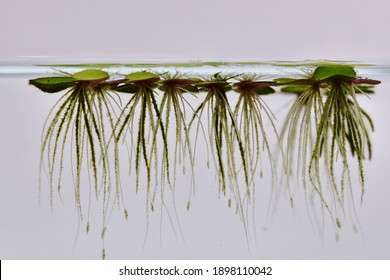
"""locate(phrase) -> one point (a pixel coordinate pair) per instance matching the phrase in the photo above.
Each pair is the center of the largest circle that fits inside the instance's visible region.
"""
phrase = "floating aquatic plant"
(300, 125)
(250, 114)
(84, 116)
(341, 122)
(328, 119)
(224, 136)
(143, 108)
(173, 103)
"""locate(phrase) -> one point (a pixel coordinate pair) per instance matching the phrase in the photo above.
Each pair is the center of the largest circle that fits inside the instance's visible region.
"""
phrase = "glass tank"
(197, 159)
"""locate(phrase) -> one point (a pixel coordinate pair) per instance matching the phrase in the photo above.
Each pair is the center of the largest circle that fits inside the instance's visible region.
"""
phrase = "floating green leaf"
(143, 76)
(364, 89)
(264, 90)
(53, 84)
(298, 89)
(91, 75)
(323, 73)
(126, 88)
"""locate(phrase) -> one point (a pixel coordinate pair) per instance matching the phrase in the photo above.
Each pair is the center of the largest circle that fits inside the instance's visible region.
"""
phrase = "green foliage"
(53, 84)
(323, 73)
(90, 75)
(142, 77)
(126, 88)
(298, 89)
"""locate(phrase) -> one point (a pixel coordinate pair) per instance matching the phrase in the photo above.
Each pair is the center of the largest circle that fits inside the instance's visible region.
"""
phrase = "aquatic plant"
(143, 108)
(86, 114)
(173, 103)
(224, 136)
(300, 127)
(251, 114)
(325, 119)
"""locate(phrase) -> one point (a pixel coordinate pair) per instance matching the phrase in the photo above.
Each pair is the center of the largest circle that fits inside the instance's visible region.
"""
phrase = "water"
(210, 229)
(35, 67)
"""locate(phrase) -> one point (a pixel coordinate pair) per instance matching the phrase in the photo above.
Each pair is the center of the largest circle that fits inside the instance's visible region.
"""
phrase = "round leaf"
(142, 76)
(91, 75)
(333, 71)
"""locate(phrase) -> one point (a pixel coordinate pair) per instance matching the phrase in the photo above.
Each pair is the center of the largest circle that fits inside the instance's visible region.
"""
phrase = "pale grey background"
(216, 29)
(71, 31)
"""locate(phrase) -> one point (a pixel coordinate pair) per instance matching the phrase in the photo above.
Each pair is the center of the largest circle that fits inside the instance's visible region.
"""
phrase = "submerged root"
(142, 107)
(250, 113)
(298, 133)
(224, 134)
(143, 118)
(299, 129)
(173, 104)
(84, 118)
(341, 125)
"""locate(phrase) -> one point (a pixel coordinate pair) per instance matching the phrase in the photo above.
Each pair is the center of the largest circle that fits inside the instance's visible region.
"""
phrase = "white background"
(125, 31)
(216, 29)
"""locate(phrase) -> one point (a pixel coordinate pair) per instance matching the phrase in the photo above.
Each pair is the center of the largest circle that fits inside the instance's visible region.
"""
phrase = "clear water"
(269, 68)
(210, 229)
